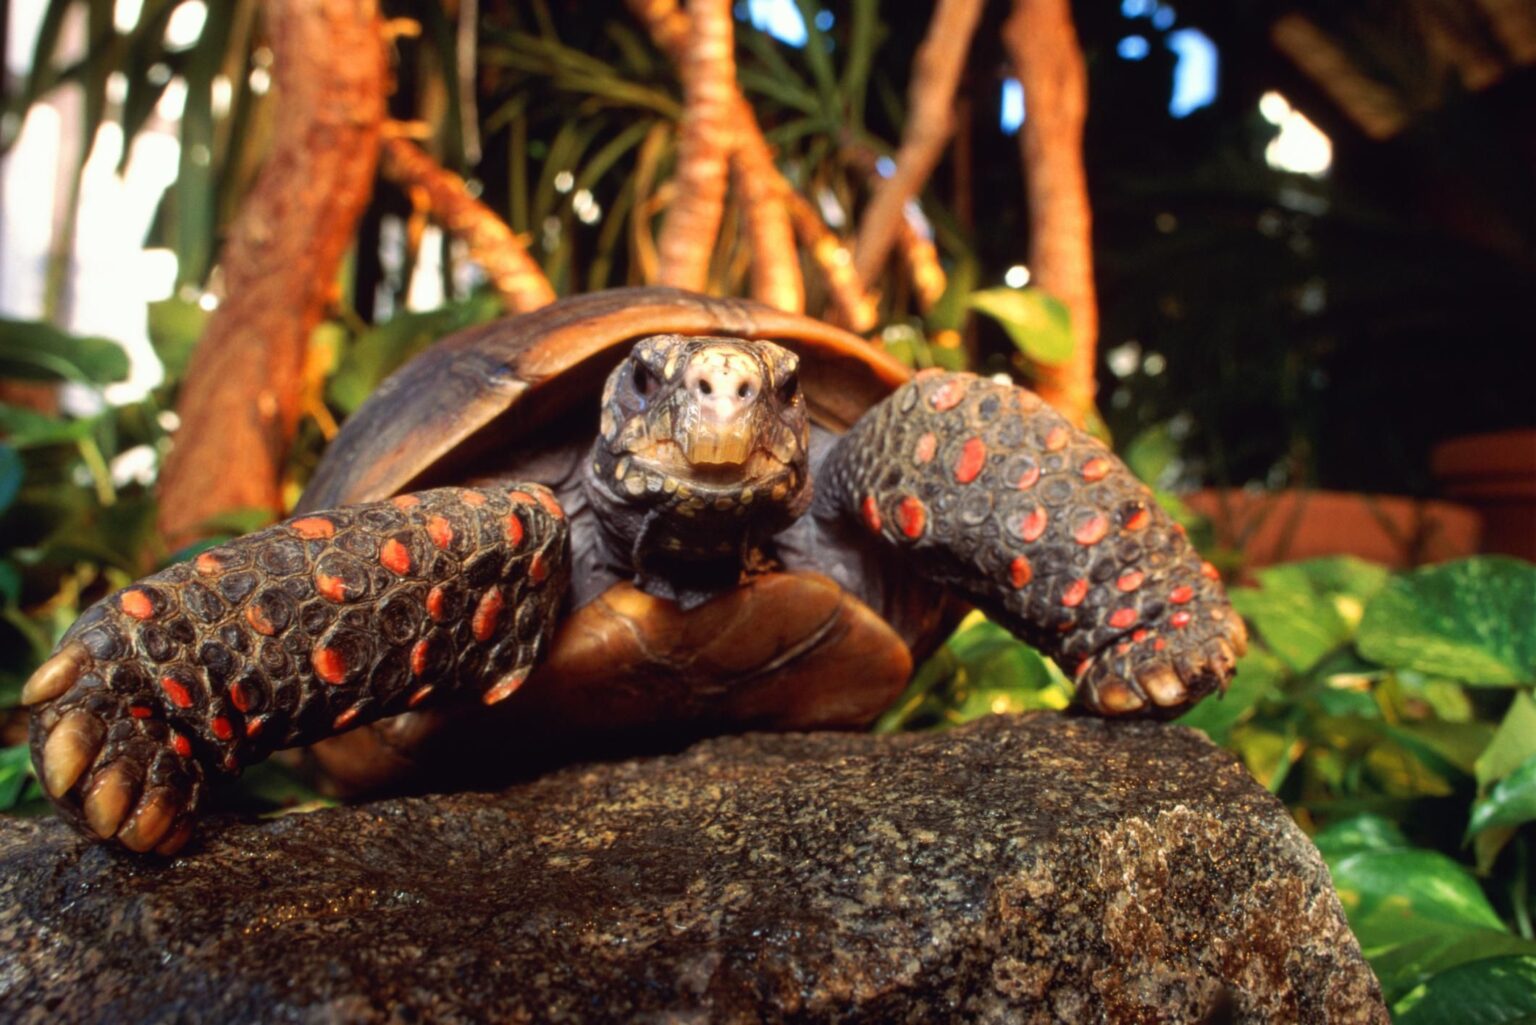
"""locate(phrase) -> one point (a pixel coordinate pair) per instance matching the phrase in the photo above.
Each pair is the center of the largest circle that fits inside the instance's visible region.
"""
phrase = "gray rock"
(1016, 870)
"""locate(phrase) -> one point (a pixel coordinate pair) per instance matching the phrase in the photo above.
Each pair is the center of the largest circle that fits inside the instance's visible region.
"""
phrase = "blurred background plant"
(1308, 272)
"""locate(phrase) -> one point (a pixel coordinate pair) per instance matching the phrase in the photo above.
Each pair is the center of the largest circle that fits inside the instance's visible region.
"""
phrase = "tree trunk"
(709, 85)
(1043, 46)
(516, 276)
(240, 401)
(930, 122)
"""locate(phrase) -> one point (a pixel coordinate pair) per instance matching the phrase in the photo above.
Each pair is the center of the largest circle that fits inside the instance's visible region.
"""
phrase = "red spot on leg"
(473, 498)
(329, 665)
(222, 728)
(1181, 595)
(486, 614)
(1159, 644)
(550, 504)
(1092, 530)
(948, 395)
(1056, 439)
(254, 726)
(1073, 596)
(238, 697)
(1033, 524)
(1028, 479)
(927, 445)
(259, 621)
(1020, 572)
(514, 528)
(440, 531)
(418, 696)
(140, 711)
(405, 501)
(1139, 636)
(1123, 618)
(419, 652)
(973, 456)
(436, 599)
(395, 557)
(1210, 572)
(181, 745)
(504, 688)
(1128, 582)
(331, 588)
(871, 513)
(911, 517)
(1095, 469)
(136, 603)
(208, 564)
(1179, 619)
(313, 528)
(1138, 519)
(538, 569)
(176, 691)
(344, 720)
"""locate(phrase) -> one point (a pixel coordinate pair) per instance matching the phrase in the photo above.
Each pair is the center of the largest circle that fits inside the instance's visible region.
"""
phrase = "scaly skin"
(999, 498)
(285, 637)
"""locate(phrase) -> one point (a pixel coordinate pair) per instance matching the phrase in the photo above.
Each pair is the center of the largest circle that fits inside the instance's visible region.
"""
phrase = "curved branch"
(709, 85)
(852, 306)
(492, 244)
(1042, 42)
(239, 404)
(775, 260)
(930, 122)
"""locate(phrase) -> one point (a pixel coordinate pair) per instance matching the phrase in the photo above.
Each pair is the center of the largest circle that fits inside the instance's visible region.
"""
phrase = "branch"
(913, 246)
(1042, 43)
(239, 404)
(491, 243)
(709, 86)
(775, 260)
(930, 103)
(852, 306)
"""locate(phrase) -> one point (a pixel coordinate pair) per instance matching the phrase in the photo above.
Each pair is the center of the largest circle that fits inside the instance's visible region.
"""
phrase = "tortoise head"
(702, 448)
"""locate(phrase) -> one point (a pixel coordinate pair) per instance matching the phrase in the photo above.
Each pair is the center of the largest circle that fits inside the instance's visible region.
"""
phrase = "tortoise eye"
(645, 381)
(788, 387)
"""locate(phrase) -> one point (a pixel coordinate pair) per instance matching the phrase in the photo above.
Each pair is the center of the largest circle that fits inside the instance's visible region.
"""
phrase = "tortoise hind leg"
(996, 496)
(286, 636)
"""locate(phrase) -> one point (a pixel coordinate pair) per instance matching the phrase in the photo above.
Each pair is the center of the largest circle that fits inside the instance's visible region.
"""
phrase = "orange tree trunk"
(709, 85)
(1042, 43)
(239, 404)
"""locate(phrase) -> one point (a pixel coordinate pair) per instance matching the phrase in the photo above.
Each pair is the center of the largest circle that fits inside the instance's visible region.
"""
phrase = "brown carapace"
(742, 518)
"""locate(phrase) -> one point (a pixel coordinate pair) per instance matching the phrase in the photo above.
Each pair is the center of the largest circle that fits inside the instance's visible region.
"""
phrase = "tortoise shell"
(518, 399)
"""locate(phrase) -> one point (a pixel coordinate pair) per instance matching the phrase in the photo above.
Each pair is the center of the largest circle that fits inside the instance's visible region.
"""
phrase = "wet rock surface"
(1016, 870)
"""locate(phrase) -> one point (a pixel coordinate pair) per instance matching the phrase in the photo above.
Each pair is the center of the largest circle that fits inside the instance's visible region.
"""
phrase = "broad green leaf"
(1151, 454)
(1258, 674)
(1454, 745)
(10, 582)
(1511, 802)
(1407, 965)
(1512, 744)
(1348, 582)
(1496, 991)
(34, 351)
(1473, 620)
(1360, 833)
(377, 353)
(25, 428)
(1392, 896)
(1039, 324)
(15, 770)
(1295, 623)
(175, 325)
(11, 473)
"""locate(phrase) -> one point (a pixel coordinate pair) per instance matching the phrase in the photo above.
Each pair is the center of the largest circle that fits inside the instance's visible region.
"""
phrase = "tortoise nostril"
(744, 391)
(704, 387)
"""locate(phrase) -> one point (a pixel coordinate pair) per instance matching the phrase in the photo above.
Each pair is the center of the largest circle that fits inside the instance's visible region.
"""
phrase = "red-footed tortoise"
(602, 515)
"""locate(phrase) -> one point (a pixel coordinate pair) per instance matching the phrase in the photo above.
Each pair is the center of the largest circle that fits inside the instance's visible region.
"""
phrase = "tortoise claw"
(71, 747)
(55, 676)
(151, 820)
(108, 799)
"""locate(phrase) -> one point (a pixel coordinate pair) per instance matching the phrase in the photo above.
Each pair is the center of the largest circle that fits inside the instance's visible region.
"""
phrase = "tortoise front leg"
(285, 637)
(998, 497)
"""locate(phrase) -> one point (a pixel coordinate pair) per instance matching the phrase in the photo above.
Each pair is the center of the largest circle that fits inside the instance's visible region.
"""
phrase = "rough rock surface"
(1017, 870)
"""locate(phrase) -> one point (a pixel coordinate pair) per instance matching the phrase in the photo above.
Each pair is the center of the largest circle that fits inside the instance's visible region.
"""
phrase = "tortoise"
(635, 510)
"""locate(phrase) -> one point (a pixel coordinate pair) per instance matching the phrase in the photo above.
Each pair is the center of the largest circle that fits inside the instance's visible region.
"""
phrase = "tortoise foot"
(1149, 674)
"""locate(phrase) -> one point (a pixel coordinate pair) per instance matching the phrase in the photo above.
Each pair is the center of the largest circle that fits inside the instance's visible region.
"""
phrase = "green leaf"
(175, 325)
(34, 351)
(1295, 623)
(377, 353)
(11, 473)
(1496, 991)
(1392, 896)
(1349, 583)
(1469, 620)
(1360, 833)
(1039, 324)
(15, 770)
(24, 428)
(1512, 744)
(1411, 964)
(1258, 674)
(10, 583)
(1151, 454)
(1511, 802)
